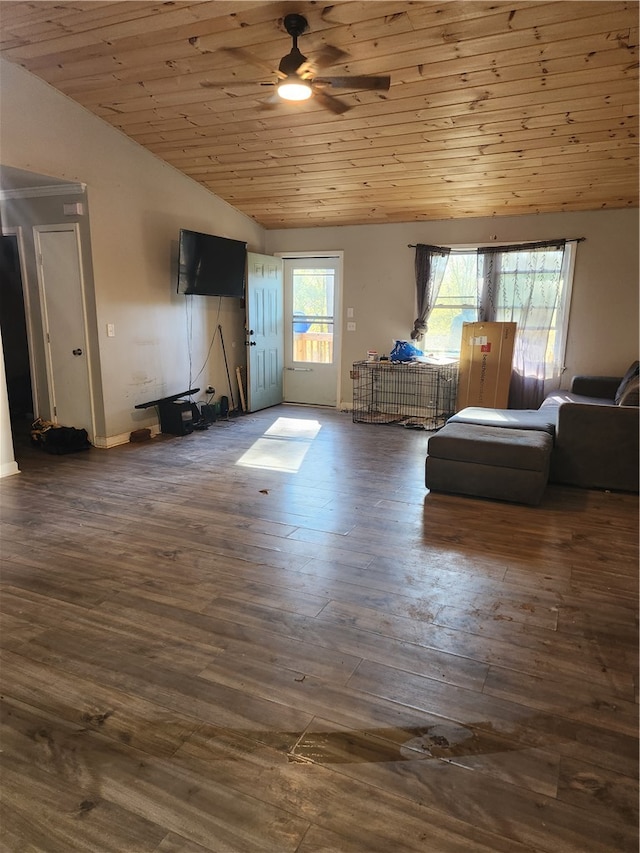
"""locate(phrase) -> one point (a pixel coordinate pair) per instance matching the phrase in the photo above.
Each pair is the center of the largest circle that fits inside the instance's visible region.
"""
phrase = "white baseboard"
(9, 468)
(109, 441)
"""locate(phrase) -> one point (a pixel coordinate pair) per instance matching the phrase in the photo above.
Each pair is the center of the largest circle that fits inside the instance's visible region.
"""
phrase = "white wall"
(137, 205)
(379, 280)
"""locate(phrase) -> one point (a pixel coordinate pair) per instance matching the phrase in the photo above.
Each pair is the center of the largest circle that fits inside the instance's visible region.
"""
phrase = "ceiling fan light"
(294, 89)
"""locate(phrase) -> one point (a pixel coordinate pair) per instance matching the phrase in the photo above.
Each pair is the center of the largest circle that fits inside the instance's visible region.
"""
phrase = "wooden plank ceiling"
(494, 107)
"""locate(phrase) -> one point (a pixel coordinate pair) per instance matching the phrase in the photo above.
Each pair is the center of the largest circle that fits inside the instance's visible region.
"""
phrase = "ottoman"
(489, 462)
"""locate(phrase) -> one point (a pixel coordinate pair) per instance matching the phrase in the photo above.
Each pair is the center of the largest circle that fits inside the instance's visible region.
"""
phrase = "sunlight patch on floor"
(283, 446)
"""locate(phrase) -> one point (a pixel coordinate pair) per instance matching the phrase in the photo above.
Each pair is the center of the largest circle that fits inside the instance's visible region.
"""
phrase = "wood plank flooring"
(269, 637)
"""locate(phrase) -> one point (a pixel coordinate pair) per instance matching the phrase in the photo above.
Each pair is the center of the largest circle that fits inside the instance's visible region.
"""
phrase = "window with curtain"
(456, 303)
(528, 284)
(431, 263)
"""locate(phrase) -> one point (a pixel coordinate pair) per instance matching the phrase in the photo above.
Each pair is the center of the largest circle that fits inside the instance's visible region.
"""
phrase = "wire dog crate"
(415, 394)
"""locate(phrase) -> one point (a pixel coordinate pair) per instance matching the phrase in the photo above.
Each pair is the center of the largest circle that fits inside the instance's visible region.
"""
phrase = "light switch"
(349, 312)
(111, 330)
(351, 327)
(74, 209)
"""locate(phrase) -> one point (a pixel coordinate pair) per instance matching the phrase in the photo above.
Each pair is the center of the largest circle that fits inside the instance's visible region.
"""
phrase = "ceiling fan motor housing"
(290, 63)
(295, 25)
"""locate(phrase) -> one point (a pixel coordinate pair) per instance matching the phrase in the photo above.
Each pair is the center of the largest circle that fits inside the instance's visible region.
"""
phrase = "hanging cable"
(213, 337)
(189, 331)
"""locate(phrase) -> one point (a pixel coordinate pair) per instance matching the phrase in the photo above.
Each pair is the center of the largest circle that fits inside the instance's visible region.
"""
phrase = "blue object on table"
(404, 351)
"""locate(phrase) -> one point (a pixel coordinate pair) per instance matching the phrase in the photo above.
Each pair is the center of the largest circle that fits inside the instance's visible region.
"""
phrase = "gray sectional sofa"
(594, 431)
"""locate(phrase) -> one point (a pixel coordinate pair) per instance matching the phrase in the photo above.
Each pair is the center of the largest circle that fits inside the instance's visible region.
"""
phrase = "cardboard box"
(486, 356)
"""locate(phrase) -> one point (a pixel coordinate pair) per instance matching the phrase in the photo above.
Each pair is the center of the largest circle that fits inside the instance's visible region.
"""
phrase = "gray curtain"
(522, 285)
(431, 262)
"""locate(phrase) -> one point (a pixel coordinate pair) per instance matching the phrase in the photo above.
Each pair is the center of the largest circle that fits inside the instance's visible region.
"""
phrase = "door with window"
(311, 334)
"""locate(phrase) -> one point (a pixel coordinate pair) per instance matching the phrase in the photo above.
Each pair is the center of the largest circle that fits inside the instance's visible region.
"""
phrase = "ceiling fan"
(296, 80)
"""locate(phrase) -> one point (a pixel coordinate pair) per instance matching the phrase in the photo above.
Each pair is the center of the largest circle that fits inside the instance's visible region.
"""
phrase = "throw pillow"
(632, 373)
(631, 394)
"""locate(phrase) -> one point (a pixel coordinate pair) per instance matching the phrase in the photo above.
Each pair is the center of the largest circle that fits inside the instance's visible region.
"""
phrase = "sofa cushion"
(557, 398)
(630, 375)
(603, 387)
(535, 419)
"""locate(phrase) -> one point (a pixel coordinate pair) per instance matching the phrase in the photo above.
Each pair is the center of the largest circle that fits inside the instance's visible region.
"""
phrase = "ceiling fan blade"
(271, 102)
(328, 55)
(221, 84)
(334, 105)
(354, 82)
(246, 56)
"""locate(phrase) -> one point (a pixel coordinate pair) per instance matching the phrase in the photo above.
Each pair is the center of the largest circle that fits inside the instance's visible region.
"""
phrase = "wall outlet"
(351, 327)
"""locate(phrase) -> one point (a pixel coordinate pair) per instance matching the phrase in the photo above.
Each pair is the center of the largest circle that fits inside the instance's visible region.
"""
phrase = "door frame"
(16, 231)
(338, 257)
(75, 228)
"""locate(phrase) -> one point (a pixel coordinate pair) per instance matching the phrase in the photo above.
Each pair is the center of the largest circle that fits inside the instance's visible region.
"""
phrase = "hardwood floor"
(269, 637)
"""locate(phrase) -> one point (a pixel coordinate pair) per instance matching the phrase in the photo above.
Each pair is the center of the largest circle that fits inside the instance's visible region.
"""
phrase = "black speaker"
(224, 407)
(176, 417)
(208, 412)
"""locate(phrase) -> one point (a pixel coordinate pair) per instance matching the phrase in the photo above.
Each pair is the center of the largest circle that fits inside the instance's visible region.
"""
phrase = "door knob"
(77, 351)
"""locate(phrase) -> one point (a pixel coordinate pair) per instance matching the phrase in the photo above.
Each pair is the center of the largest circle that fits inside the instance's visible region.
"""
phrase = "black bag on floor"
(59, 440)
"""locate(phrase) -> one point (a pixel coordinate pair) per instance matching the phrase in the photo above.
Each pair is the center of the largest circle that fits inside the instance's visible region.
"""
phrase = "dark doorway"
(13, 323)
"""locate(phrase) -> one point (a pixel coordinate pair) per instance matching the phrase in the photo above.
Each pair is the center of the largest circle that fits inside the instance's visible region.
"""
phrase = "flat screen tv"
(210, 265)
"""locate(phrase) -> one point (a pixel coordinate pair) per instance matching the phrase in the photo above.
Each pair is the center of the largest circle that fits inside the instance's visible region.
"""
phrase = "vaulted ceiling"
(494, 107)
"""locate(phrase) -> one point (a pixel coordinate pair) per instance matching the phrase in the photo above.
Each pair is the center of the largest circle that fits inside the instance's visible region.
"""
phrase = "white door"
(64, 320)
(265, 340)
(311, 342)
